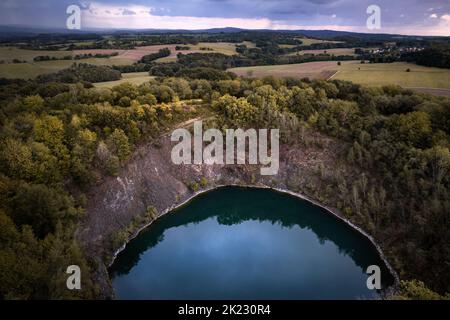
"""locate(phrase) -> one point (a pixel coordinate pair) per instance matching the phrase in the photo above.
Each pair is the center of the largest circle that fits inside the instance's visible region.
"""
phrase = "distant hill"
(14, 31)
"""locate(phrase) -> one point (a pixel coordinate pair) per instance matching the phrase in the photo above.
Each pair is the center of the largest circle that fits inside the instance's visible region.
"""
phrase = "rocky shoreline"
(388, 291)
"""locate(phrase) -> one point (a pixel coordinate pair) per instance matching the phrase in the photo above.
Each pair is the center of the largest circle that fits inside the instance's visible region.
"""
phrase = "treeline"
(435, 56)
(210, 60)
(211, 63)
(180, 48)
(51, 58)
(81, 72)
(189, 65)
(136, 67)
(76, 57)
(165, 52)
(46, 41)
(209, 66)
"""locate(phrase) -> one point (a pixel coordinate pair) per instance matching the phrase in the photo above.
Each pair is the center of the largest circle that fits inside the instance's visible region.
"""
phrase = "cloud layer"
(418, 17)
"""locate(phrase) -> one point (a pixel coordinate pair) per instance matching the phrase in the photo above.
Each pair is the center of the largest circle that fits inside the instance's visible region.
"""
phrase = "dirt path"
(434, 91)
(333, 75)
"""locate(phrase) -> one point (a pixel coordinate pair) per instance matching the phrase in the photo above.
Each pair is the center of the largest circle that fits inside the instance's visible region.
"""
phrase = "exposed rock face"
(151, 179)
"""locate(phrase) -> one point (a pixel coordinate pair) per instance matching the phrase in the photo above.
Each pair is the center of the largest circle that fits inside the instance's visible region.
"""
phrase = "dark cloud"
(399, 13)
(127, 12)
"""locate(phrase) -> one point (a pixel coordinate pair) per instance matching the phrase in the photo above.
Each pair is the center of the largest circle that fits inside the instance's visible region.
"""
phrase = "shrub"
(203, 182)
(193, 186)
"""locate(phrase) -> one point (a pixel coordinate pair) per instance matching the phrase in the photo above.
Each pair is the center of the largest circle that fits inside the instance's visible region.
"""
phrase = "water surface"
(247, 243)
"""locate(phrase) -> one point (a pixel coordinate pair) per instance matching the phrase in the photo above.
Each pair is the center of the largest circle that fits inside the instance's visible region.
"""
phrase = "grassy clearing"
(7, 54)
(395, 73)
(312, 70)
(113, 61)
(287, 46)
(219, 47)
(19, 70)
(135, 78)
(309, 41)
(249, 44)
(166, 59)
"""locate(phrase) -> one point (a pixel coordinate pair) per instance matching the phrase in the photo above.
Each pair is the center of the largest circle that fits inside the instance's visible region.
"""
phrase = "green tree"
(237, 110)
(439, 162)
(125, 89)
(41, 207)
(180, 86)
(118, 144)
(417, 290)
(413, 128)
(46, 167)
(16, 159)
(33, 103)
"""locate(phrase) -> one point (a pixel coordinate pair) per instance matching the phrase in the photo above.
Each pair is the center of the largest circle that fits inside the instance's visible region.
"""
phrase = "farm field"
(7, 54)
(137, 53)
(31, 70)
(423, 79)
(336, 52)
(312, 70)
(135, 78)
(227, 48)
(379, 74)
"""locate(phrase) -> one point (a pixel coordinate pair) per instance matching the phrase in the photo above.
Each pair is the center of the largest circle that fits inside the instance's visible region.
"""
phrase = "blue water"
(247, 243)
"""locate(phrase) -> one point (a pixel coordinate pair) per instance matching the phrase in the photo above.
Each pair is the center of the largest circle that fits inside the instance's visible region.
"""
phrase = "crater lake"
(247, 243)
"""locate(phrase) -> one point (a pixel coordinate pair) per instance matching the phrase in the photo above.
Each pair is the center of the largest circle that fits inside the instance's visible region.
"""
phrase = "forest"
(59, 139)
(434, 55)
(60, 136)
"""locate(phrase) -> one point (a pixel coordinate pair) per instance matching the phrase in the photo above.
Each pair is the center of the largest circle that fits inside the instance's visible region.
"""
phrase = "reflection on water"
(247, 243)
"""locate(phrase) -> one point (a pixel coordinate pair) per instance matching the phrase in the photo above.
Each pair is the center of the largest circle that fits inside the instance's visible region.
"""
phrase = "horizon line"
(106, 29)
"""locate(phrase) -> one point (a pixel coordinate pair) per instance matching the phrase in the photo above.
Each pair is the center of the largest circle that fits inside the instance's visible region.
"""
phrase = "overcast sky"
(416, 17)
